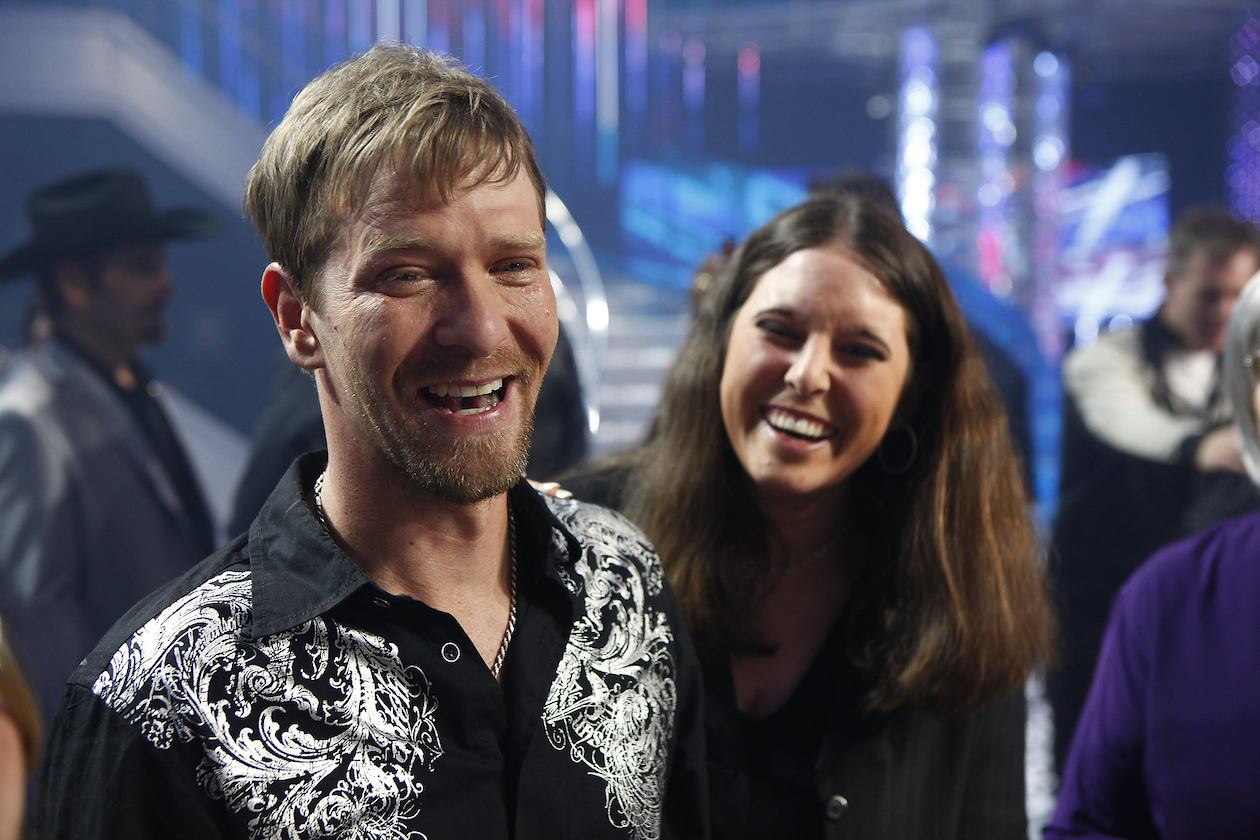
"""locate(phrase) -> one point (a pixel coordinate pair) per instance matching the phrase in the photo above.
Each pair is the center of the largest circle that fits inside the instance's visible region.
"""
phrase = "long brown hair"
(952, 607)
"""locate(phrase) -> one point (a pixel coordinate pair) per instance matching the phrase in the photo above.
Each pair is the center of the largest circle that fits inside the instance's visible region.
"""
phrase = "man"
(409, 642)
(98, 502)
(1149, 454)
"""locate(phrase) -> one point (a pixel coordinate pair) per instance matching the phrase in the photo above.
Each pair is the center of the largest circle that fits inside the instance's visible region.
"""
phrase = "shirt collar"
(138, 369)
(299, 572)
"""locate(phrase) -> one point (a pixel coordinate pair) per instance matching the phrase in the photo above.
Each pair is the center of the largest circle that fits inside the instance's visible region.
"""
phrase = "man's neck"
(117, 363)
(408, 542)
(1178, 336)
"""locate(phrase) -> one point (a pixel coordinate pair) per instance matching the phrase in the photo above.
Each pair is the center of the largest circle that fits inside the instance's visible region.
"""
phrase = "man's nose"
(474, 317)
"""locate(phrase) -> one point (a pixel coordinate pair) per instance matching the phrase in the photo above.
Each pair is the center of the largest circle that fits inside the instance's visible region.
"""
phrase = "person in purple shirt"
(1168, 745)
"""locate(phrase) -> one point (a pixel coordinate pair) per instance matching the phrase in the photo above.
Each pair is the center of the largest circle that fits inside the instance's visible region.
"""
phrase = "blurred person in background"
(832, 489)
(1167, 742)
(19, 740)
(1149, 452)
(99, 504)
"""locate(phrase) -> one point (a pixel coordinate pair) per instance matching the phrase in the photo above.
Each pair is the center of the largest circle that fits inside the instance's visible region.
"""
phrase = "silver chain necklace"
(318, 492)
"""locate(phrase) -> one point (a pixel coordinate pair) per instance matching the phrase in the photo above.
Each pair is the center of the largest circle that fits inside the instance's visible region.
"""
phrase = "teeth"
(796, 425)
(447, 389)
(490, 401)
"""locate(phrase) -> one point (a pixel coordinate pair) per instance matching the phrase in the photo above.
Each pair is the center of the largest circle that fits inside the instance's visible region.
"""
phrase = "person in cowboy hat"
(98, 501)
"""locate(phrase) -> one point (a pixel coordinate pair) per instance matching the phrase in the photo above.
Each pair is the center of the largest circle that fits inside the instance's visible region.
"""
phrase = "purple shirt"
(1169, 742)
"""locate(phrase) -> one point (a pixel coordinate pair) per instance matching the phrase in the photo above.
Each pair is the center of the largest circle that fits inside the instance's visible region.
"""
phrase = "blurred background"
(1039, 147)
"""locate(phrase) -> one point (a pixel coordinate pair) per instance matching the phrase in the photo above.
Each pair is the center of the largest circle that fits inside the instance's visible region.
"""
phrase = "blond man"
(409, 642)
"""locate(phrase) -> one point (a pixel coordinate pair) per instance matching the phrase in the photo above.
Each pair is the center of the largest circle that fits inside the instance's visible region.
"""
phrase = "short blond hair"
(394, 105)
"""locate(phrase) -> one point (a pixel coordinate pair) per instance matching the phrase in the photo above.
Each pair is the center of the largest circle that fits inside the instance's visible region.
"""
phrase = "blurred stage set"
(1038, 146)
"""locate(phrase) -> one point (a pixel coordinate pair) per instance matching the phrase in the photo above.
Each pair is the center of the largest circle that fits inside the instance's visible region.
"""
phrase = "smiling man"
(409, 642)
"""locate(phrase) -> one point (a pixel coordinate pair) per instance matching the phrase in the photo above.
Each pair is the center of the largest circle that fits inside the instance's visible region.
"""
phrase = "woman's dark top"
(822, 767)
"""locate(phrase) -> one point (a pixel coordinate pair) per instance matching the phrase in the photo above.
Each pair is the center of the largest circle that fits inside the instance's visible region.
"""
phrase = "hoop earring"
(907, 459)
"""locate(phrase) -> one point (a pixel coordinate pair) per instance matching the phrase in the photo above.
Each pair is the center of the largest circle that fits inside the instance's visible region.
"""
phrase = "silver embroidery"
(613, 701)
(319, 731)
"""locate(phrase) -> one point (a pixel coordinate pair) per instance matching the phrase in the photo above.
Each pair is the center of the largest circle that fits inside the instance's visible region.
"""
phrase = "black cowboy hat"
(94, 212)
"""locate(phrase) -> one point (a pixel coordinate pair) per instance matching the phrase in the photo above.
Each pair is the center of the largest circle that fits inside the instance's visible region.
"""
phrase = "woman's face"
(815, 366)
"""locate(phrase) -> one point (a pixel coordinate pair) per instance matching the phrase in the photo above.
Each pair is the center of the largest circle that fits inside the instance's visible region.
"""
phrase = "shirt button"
(836, 806)
(450, 652)
(378, 601)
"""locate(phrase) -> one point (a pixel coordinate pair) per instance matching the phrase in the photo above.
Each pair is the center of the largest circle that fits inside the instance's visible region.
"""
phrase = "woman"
(830, 485)
(1167, 742)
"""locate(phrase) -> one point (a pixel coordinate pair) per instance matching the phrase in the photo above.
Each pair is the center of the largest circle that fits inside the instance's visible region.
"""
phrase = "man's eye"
(404, 277)
(514, 266)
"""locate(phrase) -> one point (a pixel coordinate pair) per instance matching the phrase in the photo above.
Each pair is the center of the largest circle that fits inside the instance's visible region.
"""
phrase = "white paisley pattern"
(319, 731)
(613, 701)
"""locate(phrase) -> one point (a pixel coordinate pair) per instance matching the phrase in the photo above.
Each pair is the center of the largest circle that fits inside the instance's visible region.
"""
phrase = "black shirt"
(145, 408)
(276, 692)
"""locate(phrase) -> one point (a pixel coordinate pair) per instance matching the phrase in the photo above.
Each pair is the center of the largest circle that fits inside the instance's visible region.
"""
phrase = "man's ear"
(292, 318)
(73, 284)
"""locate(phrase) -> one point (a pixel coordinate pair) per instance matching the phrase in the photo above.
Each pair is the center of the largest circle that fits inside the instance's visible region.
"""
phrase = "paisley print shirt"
(275, 692)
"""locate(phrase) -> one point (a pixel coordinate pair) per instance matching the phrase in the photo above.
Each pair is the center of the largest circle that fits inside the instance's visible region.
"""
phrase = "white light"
(566, 309)
(916, 145)
(1005, 134)
(918, 98)
(1119, 322)
(570, 234)
(989, 195)
(592, 419)
(916, 204)
(1045, 65)
(917, 156)
(597, 315)
(1048, 153)
(920, 130)
(919, 182)
(994, 117)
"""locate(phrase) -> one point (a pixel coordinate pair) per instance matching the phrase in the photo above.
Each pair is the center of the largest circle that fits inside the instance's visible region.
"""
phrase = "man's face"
(1201, 297)
(436, 324)
(124, 304)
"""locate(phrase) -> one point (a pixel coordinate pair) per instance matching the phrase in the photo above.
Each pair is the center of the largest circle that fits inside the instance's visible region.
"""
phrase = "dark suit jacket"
(89, 520)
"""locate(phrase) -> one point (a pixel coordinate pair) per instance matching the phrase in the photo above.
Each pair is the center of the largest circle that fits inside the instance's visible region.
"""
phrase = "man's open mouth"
(458, 398)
